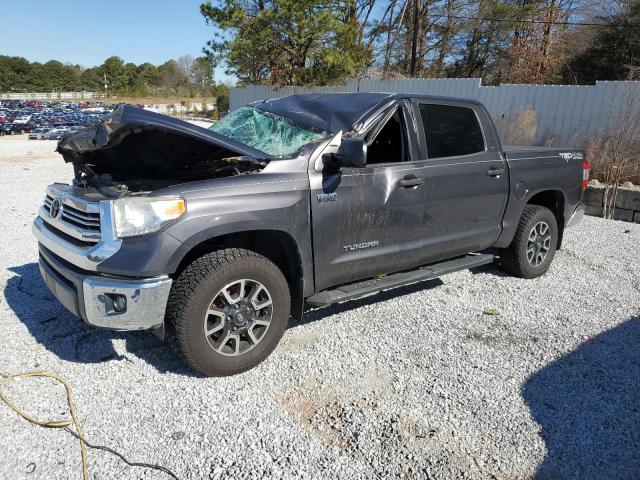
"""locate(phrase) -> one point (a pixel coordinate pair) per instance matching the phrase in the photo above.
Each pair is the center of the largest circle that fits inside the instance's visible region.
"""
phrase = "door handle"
(495, 171)
(411, 181)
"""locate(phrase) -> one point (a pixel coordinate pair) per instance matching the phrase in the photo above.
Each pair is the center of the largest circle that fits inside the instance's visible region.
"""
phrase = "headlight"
(142, 215)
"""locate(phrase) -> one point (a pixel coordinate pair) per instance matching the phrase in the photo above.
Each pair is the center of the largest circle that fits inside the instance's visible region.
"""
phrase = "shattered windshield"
(269, 133)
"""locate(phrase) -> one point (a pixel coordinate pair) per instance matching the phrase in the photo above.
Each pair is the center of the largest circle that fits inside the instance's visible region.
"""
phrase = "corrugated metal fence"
(565, 115)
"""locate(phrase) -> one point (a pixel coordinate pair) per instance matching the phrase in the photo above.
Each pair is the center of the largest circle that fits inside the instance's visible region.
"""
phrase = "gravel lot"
(421, 382)
(19, 149)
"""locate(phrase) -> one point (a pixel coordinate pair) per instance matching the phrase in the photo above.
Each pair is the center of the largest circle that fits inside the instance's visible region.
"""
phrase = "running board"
(394, 280)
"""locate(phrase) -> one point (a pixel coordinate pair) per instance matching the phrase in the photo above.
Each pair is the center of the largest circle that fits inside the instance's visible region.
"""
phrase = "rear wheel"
(227, 311)
(534, 243)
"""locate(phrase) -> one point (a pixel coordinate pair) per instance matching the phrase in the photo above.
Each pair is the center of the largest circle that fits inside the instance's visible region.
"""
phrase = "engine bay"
(138, 151)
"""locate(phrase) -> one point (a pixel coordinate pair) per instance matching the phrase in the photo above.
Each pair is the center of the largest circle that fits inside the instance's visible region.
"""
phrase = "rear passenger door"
(466, 178)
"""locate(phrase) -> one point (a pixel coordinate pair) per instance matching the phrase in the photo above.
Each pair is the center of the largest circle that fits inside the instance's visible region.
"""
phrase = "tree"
(221, 92)
(287, 42)
(614, 50)
(117, 73)
(185, 63)
(91, 80)
(497, 40)
(484, 39)
(55, 76)
(183, 77)
(172, 76)
(14, 73)
(201, 74)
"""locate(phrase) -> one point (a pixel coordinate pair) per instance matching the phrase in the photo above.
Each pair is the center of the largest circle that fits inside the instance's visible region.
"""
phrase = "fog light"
(120, 303)
(116, 303)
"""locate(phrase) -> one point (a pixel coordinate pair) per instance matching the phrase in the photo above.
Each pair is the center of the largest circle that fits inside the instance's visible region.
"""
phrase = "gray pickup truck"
(214, 238)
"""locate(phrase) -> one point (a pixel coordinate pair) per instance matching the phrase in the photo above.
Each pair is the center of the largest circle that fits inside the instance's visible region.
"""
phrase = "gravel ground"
(18, 149)
(476, 375)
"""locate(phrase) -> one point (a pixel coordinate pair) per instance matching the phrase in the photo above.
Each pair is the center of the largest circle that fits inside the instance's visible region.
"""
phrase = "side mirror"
(352, 152)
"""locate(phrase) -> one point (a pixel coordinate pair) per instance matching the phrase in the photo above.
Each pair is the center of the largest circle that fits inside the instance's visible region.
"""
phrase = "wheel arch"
(276, 245)
(555, 201)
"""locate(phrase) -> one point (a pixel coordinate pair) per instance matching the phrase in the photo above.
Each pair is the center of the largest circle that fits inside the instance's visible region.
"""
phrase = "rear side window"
(451, 131)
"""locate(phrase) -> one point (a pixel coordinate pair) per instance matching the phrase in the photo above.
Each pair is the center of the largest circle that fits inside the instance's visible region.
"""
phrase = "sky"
(88, 32)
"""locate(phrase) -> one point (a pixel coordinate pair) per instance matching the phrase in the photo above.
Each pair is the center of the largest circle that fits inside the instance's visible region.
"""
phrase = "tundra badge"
(360, 246)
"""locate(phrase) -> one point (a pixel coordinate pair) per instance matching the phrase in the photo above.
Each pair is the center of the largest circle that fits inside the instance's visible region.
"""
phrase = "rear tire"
(227, 311)
(534, 243)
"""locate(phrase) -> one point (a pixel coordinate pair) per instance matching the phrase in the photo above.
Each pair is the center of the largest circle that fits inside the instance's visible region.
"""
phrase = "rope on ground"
(67, 423)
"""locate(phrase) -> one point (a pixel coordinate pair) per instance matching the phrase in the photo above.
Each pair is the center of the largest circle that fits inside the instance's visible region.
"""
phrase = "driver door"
(364, 220)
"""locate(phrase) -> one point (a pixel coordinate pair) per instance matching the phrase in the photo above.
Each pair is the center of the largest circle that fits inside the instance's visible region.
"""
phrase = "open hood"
(127, 119)
(134, 143)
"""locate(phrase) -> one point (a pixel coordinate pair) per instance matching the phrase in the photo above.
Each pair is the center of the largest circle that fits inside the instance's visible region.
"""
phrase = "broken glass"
(267, 132)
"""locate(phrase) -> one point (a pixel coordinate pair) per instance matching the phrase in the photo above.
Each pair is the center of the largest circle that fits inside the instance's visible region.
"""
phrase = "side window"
(451, 131)
(389, 145)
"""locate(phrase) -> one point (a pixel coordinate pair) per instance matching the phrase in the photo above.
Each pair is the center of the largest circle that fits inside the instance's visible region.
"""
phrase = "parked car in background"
(58, 132)
(13, 129)
(36, 114)
(38, 133)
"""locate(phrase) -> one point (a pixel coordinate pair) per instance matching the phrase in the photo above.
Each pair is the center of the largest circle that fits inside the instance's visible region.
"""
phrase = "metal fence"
(565, 115)
(53, 96)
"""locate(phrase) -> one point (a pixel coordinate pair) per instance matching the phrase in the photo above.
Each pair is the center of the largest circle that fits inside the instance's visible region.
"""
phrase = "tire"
(531, 253)
(199, 290)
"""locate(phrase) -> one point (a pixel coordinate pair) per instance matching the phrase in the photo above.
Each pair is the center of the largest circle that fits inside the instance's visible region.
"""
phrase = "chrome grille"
(78, 219)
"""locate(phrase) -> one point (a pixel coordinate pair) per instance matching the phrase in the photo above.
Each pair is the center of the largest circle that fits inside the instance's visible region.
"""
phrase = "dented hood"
(127, 120)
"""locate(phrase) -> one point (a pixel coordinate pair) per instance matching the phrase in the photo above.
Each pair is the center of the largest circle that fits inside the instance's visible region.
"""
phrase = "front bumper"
(92, 297)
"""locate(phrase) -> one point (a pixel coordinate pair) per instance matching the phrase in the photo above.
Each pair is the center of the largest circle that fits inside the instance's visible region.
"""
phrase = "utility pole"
(105, 86)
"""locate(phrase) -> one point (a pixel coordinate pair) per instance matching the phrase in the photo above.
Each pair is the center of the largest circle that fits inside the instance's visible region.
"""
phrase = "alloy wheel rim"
(539, 243)
(238, 317)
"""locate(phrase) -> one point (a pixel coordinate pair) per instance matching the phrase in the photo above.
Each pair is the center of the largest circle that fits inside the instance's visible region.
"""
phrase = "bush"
(603, 163)
(615, 155)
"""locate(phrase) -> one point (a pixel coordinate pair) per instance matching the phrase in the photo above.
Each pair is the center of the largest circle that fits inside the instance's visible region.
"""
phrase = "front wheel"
(227, 311)
(534, 243)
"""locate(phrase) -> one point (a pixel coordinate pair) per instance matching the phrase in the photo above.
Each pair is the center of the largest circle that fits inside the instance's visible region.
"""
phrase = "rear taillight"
(585, 175)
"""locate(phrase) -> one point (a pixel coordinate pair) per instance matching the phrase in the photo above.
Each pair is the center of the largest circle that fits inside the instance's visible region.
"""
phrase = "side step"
(366, 287)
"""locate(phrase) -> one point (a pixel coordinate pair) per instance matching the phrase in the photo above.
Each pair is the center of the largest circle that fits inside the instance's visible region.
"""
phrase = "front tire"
(534, 243)
(227, 311)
